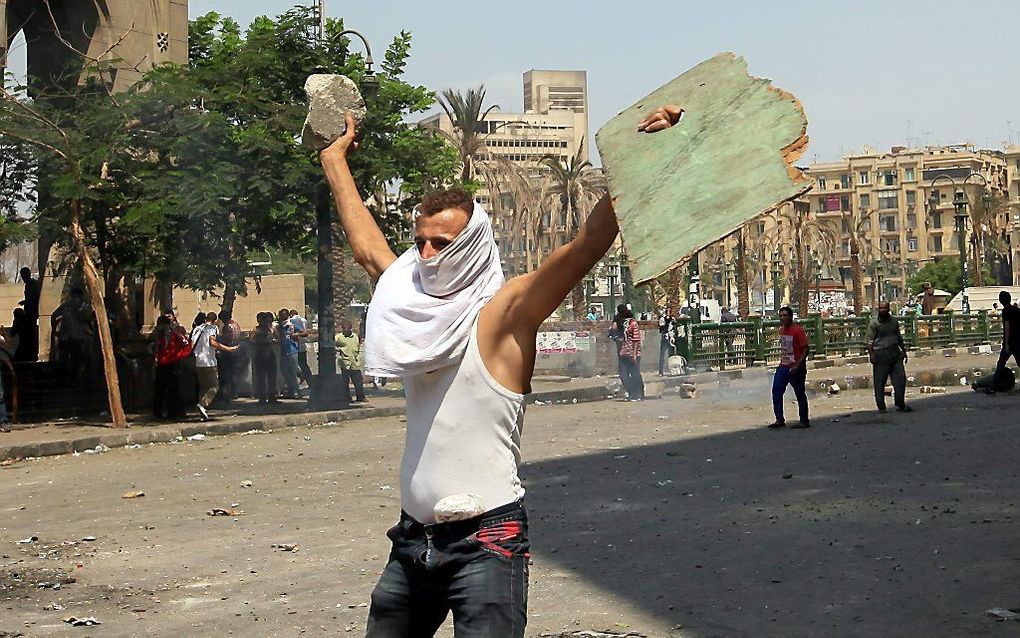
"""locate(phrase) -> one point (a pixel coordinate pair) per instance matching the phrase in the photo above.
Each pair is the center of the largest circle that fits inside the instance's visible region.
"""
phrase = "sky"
(871, 72)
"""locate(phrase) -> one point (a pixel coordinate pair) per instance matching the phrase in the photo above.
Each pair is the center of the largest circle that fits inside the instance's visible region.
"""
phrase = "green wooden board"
(728, 160)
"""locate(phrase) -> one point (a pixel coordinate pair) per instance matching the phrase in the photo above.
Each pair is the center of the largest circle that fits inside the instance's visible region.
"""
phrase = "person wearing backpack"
(172, 347)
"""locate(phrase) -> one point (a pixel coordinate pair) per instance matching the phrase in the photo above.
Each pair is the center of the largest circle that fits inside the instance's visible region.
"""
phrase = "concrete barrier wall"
(601, 358)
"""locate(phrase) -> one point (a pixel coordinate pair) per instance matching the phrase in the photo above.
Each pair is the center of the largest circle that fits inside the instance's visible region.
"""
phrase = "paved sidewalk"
(49, 439)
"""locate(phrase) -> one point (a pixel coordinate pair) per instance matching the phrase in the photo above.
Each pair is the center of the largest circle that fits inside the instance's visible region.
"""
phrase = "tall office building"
(554, 123)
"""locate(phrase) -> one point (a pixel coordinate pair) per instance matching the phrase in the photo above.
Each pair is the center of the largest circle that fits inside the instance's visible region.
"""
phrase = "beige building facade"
(133, 35)
(554, 123)
(901, 206)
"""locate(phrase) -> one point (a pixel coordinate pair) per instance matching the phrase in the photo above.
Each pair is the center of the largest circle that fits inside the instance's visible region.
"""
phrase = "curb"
(164, 434)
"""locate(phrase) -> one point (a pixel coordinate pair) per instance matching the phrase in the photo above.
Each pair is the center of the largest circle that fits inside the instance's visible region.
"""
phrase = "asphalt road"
(669, 518)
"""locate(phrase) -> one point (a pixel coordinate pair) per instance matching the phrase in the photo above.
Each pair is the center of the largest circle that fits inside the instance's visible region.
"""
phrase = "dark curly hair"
(438, 201)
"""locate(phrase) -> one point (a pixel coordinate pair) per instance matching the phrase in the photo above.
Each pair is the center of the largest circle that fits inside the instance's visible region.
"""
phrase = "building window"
(844, 180)
(891, 246)
(936, 220)
(911, 199)
(936, 243)
(889, 178)
(911, 221)
(865, 201)
(912, 244)
(844, 203)
(888, 199)
(908, 174)
(888, 224)
(821, 183)
(862, 178)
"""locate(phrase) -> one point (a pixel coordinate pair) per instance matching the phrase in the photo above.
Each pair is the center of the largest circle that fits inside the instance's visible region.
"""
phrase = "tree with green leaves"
(944, 274)
(467, 112)
(18, 165)
(574, 186)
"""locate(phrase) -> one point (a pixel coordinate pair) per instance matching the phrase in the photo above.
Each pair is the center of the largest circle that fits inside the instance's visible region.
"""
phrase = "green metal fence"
(745, 343)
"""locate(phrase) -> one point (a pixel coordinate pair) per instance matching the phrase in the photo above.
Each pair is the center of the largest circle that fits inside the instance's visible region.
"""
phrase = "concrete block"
(329, 98)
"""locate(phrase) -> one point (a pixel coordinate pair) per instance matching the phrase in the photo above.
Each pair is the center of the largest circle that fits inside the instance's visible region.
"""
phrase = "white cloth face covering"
(423, 310)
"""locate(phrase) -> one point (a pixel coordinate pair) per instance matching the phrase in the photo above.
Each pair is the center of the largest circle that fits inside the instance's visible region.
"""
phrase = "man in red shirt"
(792, 370)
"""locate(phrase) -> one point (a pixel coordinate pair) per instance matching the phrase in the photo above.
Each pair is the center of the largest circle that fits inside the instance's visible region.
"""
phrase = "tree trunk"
(743, 292)
(95, 288)
(673, 293)
(343, 288)
(229, 297)
(856, 275)
(577, 301)
(978, 275)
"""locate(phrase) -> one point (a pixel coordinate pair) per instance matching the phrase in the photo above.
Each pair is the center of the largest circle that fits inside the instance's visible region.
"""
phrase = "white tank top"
(463, 437)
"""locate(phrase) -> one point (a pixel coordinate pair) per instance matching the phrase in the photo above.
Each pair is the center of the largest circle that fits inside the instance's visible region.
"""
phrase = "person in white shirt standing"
(204, 346)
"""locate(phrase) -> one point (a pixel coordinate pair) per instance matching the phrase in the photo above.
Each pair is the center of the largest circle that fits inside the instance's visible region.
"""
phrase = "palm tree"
(466, 113)
(986, 216)
(806, 232)
(574, 186)
(856, 226)
(742, 275)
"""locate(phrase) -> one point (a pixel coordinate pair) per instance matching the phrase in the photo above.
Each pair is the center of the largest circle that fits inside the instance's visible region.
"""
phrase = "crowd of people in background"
(202, 367)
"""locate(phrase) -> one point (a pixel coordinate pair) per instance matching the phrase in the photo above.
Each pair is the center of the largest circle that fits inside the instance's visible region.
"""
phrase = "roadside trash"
(963, 380)
(285, 547)
(220, 511)
(1001, 614)
(834, 389)
(663, 418)
(197, 437)
(308, 438)
(89, 538)
(932, 389)
(574, 400)
(605, 634)
(53, 607)
(88, 621)
(620, 457)
(27, 541)
(132, 494)
(787, 476)
(99, 449)
(246, 483)
(539, 402)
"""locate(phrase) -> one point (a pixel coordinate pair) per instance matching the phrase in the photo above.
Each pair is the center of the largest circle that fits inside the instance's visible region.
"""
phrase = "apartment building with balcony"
(903, 200)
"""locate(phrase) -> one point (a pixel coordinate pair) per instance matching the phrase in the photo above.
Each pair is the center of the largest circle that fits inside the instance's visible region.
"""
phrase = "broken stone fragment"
(329, 98)
(458, 507)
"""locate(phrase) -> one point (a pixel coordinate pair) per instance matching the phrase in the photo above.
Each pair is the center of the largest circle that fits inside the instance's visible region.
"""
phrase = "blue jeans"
(784, 377)
(477, 569)
(289, 370)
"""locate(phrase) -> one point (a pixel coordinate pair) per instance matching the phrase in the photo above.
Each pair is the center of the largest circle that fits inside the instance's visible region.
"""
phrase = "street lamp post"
(694, 289)
(611, 279)
(960, 215)
(329, 388)
(878, 280)
(818, 283)
(775, 284)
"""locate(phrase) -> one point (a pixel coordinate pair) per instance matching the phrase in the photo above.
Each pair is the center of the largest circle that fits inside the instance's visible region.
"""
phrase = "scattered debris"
(138, 494)
(89, 538)
(27, 541)
(932, 389)
(250, 432)
(963, 380)
(1001, 614)
(834, 389)
(197, 437)
(221, 511)
(787, 476)
(88, 621)
(285, 547)
(246, 484)
(54, 607)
